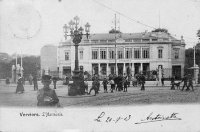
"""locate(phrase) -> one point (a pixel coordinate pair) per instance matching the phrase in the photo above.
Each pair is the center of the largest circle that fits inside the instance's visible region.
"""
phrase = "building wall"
(49, 58)
(167, 60)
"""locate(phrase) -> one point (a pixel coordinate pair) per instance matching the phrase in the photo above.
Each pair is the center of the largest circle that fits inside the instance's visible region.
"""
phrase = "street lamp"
(76, 34)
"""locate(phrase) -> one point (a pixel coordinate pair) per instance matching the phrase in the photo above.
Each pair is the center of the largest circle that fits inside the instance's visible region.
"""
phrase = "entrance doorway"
(137, 68)
(176, 71)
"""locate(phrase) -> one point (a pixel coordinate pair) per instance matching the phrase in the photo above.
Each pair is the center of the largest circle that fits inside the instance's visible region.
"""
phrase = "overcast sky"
(42, 20)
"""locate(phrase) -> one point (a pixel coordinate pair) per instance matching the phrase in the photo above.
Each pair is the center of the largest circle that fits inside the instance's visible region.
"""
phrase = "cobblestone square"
(134, 96)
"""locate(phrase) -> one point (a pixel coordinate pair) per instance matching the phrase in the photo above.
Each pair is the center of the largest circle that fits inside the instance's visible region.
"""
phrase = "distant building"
(135, 52)
(49, 59)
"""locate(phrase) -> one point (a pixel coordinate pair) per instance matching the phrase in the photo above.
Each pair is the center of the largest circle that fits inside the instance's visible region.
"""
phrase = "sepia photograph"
(99, 65)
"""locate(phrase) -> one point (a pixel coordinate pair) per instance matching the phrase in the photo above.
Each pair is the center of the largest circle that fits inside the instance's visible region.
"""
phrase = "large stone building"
(135, 52)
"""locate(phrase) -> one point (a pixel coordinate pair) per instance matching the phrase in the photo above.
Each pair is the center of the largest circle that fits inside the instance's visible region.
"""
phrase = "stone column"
(124, 68)
(107, 69)
(99, 68)
(133, 69)
(116, 69)
(141, 67)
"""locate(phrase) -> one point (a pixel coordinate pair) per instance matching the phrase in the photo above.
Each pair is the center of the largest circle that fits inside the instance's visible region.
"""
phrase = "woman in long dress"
(20, 87)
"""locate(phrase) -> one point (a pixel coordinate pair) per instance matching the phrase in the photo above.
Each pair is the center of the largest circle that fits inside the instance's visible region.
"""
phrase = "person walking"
(30, 79)
(142, 79)
(55, 79)
(172, 83)
(163, 81)
(47, 96)
(125, 85)
(112, 83)
(105, 82)
(190, 83)
(184, 80)
(20, 87)
(94, 87)
(35, 84)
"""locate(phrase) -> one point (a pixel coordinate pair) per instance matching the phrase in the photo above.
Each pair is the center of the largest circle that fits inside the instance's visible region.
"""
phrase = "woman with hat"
(46, 95)
(20, 87)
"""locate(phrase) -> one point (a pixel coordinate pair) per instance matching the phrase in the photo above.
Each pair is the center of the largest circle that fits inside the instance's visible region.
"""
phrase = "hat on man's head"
(46, 78)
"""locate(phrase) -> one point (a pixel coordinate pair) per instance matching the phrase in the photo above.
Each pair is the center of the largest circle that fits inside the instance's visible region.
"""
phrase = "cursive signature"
(158, 117)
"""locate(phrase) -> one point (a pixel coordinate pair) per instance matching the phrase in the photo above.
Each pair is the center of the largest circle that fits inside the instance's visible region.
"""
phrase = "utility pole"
(194, 57)
(115, 49)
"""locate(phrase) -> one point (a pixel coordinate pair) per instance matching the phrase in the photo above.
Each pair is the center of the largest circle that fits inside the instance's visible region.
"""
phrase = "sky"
(27, 25)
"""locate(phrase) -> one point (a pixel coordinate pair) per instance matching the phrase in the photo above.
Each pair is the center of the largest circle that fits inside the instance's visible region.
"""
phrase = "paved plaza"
(134, 96)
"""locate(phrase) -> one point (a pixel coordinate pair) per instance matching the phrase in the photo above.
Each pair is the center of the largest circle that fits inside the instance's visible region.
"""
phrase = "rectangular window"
(160, 53)
(67, 55)
(111, 53)
(128, 53)
(120, 53)
(102, 53)
(176, 53)
(95, 54)
(145, 52)
(136, 53)
(81, 54)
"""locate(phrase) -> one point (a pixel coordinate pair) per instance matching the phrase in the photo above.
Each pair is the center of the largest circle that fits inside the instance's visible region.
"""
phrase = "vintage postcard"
(95, 66)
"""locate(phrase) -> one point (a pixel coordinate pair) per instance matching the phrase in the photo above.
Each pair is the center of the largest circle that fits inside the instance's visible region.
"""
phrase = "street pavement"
(134, 96)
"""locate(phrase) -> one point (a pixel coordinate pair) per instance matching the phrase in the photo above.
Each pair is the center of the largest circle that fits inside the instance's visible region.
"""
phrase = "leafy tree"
(114, 31)
(31, 65)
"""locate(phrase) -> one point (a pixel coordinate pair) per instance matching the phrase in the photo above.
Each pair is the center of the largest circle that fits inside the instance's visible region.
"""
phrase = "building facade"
(135, 52)
(48, 59)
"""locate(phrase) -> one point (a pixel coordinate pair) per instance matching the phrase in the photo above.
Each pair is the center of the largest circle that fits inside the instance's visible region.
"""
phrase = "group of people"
(117, 83)
(45, 96)
(187, 82)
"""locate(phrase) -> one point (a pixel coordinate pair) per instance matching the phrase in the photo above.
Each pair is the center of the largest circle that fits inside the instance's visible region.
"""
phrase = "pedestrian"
(142, 81)
(35, 84)
(20, 87)
(190, 84)
(163, 81)
(172, 83)
(98, 84)
(184, 80)
(112, 83)
(55, 79)
(105, 82)
(30, 79)
(94, 87)
(66, 80)
(125, 85)
(47, 96)
(86, 85)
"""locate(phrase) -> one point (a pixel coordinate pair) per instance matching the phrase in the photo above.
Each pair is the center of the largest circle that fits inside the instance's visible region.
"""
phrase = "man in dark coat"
(184, 80)
(55, 79)
(35, 84)
(94, 87)
(142, 80)
(190, 84)
(105, 82)
(47, 96)
(172, 83)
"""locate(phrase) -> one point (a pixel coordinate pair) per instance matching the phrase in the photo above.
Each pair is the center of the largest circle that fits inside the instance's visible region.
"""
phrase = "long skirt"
(20, 88)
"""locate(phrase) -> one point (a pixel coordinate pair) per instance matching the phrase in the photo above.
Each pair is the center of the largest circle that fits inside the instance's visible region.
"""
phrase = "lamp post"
(76, 34)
